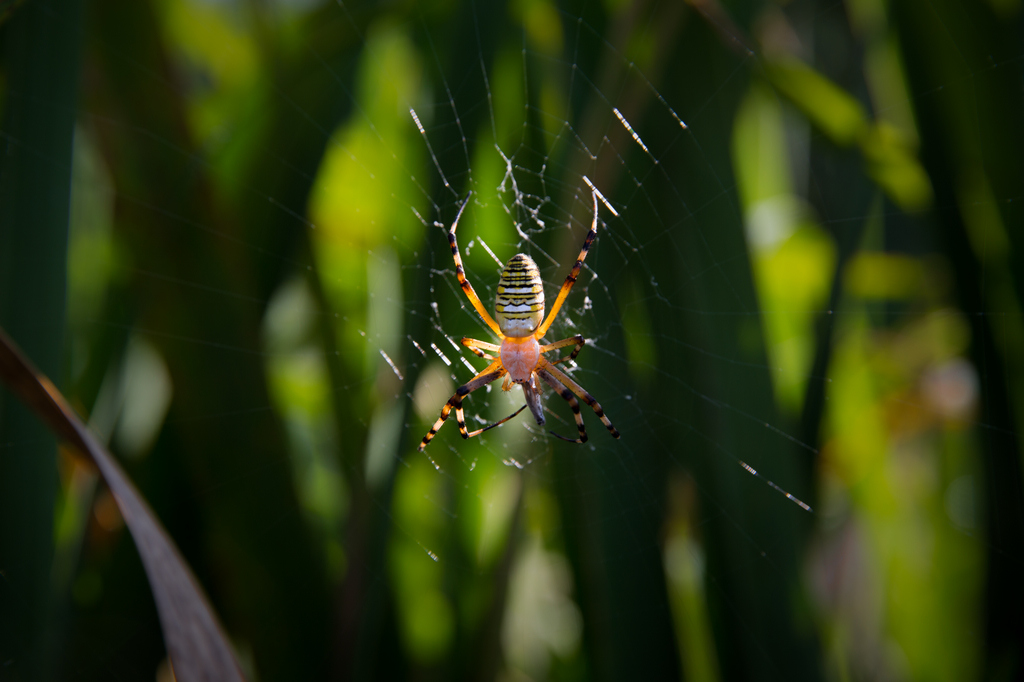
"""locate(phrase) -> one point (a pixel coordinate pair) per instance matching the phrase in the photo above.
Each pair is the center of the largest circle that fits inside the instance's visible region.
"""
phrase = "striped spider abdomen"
(520, 302)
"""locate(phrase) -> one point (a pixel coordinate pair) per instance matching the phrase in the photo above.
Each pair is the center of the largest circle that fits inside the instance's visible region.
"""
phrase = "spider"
(520, 326)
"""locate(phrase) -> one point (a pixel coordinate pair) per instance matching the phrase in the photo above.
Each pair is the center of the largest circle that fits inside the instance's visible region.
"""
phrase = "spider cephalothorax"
(520, 325)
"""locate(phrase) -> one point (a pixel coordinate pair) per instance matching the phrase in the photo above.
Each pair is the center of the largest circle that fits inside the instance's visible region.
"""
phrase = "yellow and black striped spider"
(520, 311)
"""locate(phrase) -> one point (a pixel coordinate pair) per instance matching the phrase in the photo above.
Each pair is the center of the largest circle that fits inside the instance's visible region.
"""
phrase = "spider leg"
(571, 279)
(564, 379)
(460, 273)
(476, 346)
(578, 340)
(573, 404)
(493, 371)
(497, 423)
(480, 354)
(532, 396)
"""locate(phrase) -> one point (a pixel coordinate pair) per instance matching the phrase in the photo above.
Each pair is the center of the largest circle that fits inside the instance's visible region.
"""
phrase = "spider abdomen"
(520, 300)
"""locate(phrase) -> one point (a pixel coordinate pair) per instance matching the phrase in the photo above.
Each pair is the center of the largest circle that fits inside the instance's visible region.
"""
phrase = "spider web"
(534, 195)
(541, 129)
(665, 300)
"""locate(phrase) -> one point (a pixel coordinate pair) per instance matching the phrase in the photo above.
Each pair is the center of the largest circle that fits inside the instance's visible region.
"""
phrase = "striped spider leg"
(493, 371)
(520, 326)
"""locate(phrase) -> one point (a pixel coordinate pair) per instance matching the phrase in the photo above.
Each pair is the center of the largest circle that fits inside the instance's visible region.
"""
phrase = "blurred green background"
(222, 233)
